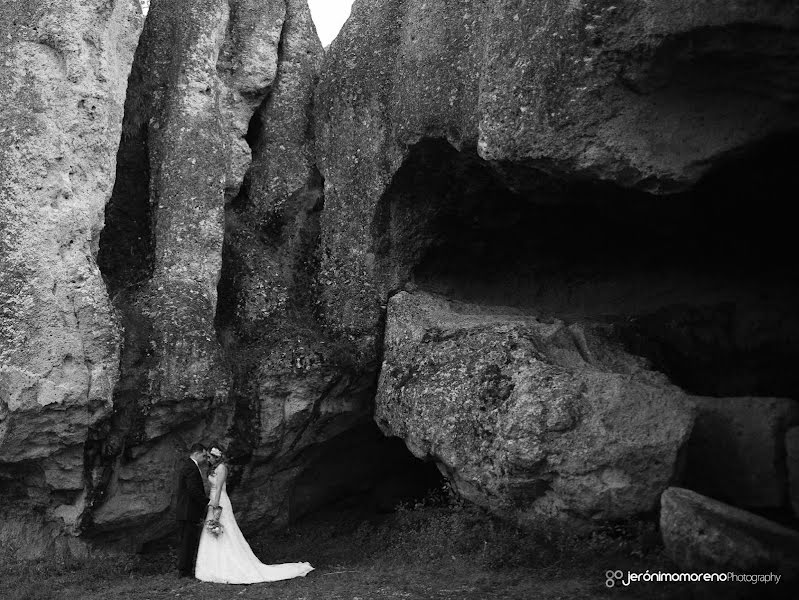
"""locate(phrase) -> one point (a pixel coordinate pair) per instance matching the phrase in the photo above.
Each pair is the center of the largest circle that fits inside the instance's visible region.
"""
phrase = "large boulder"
(737, 450)
(528, 418)
(702, 534)
(63, 70)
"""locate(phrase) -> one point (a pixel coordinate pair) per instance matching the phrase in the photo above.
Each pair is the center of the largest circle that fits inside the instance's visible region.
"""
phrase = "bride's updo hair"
(217, 454)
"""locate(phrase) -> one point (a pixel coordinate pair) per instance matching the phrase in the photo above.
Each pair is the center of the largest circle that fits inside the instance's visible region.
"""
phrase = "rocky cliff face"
(625, 95)
(557, 233)
(202, 324)
(63, 78)
(577, 163)
(218, 195)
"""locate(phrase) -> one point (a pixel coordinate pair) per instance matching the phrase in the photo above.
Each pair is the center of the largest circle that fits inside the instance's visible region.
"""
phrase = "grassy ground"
(431, 552)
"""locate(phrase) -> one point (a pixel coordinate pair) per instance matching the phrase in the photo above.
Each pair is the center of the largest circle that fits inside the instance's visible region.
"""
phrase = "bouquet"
(214, 527)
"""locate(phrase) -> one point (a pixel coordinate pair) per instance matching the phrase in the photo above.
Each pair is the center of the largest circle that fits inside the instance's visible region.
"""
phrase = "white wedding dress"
(227, 558)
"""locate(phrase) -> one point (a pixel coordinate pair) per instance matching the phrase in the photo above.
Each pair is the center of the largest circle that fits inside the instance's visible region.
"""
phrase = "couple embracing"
(212, 547)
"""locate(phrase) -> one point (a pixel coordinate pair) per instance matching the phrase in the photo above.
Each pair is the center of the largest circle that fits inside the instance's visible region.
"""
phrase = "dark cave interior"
(703, 283)
(363, 469)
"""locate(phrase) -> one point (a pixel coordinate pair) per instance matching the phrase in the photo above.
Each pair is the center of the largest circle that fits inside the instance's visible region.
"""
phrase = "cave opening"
(702, 282)
(361, 471)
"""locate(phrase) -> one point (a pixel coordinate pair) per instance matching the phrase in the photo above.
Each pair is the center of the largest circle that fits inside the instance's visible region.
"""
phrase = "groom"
(191, 507)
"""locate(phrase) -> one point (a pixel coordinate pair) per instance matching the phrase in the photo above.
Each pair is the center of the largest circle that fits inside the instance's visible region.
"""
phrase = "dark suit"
(192, 504)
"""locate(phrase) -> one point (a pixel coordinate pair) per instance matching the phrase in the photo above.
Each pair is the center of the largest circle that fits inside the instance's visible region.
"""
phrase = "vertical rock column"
(202, 69)
(292, 387)
(63, 73)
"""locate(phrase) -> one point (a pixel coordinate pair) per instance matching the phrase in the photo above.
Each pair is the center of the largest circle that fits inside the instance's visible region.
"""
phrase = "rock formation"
(161, 249)
(215, 189)
(527, 417)
(214, 159)
(62, 79)
(548, 229)
(570, 161)
(211, 254)
(293, 388)
(627, 94)
(704, 535)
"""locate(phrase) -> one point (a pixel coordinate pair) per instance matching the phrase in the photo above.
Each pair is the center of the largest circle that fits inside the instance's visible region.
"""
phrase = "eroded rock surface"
(182, 151)
(216, 145)
(531, 419)
(628, 93)
(211, 79)
(218, 193)
(569, 160)
(702, 534)
(568, 186)
(292, 386)
(63, 73)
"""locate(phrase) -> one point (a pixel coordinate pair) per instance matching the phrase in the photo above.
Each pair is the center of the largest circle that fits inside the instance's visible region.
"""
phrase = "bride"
(225, 556)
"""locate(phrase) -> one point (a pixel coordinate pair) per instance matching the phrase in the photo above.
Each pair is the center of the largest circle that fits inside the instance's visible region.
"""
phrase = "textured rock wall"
(591, 163)
(628, 93)
(211, 253)
(703, 533)
(208, 255)
(529, 418)
(182, 150)
(215, 138)
(205, 324)
(292, 386)
(564, 189)
(63, 72)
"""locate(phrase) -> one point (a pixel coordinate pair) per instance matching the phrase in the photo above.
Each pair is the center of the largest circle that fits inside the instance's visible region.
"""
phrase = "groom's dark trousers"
(191, 508)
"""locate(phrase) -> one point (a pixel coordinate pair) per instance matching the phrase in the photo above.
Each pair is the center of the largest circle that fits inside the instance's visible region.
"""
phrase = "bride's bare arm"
(221, 476)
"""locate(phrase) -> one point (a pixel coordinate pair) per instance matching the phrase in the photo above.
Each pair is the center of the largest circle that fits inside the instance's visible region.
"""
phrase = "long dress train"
(227, 558)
